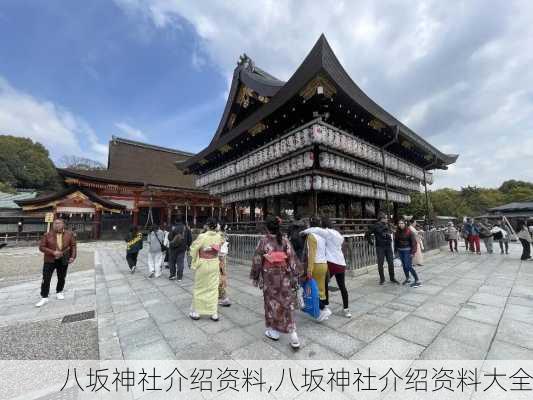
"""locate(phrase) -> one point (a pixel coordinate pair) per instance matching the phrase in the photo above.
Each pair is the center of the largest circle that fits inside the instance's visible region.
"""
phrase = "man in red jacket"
(59, 248)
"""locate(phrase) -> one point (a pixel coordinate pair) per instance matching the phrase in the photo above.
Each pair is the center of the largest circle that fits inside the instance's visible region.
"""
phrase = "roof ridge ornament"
(246, 62)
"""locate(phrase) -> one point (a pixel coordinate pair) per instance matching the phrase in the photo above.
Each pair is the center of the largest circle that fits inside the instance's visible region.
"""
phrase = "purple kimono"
(277, 284)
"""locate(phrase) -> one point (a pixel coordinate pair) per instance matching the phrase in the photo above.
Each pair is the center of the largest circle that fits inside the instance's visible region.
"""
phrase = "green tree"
(26, 164)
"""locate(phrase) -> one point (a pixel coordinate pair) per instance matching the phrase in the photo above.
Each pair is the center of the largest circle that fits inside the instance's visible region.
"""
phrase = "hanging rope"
(150, 217)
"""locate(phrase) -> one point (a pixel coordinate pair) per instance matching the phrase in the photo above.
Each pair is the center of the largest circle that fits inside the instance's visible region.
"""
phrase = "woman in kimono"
(418, 258)
(274, 271)
(206, 264)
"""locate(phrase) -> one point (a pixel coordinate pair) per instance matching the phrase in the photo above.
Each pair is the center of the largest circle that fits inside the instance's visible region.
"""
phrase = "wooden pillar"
(348, 208)
(363, 208)
(265, 208)
(277, 206)
(194, 216)
(136, 210)
(337, 208)
(97, 223)
(294, 205)
(234, 212)
(135, 217)
(395, 212)
(377, 207)
(252, 210)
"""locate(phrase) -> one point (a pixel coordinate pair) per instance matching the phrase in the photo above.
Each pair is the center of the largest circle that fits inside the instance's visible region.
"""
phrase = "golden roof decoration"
(312, 88)
(258, 128)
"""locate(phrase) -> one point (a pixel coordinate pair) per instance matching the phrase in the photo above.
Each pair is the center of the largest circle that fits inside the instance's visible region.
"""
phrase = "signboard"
(49, 217)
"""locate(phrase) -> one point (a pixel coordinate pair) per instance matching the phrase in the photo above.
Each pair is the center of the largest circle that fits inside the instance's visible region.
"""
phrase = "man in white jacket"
(335, 258)
(156, 241)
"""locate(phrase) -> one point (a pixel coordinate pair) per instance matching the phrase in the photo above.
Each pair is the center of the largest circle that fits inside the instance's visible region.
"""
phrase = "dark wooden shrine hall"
(314, 144)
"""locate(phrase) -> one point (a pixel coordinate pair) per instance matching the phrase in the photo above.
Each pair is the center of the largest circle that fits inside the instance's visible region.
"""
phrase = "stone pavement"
(469, 307)
(30, 333)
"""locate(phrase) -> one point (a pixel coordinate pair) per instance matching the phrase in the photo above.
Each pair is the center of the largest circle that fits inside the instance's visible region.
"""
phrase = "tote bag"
(311, 298)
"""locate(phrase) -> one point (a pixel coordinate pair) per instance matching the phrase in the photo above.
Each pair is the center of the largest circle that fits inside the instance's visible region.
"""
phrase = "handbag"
(163, 247)
(311, 298)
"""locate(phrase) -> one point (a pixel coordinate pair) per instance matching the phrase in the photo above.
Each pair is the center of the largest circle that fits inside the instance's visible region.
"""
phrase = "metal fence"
(357, 251)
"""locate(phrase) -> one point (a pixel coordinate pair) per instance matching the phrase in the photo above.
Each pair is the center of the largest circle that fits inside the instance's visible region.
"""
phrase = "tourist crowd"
(308, 256)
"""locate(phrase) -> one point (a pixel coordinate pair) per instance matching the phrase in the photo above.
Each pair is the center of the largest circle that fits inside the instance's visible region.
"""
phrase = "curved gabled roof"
(321, 60)
(247, 74)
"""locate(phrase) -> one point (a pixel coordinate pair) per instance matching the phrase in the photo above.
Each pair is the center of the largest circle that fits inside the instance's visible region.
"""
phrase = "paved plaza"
(469, 307)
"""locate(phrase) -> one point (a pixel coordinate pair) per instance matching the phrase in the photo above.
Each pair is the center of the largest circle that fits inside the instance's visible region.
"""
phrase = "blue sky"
(118, 74)
(73, 72)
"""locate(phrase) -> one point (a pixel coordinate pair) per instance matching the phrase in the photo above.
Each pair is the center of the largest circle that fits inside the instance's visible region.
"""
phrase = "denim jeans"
(407, 263)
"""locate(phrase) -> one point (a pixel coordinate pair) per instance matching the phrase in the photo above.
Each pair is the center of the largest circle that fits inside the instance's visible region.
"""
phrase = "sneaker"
(416, 284)
(395, 281)
(347, 313)
(178, 280)
(133, 269)
(172, 278)
(214, 317)
(293, 340)
(406, 282)
(272, 334)
(324, 314)
(60, 296)
(224, 302)
(152, 274)
(194, 315)
(42, 302)
(381, 282)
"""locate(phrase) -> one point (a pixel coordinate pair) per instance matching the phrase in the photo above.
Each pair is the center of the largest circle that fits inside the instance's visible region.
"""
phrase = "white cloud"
(459, 73)
(130, 132)
(60, 131)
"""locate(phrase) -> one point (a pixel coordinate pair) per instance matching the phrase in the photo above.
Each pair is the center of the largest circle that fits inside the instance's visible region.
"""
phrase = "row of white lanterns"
(320, 183)
(296, 185)
(316, 134)
(295, 164)
(339, 163)
(335, 185)
(348, 144)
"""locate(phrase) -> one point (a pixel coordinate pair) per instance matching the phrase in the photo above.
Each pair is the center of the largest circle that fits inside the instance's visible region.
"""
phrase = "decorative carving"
(260, 127)
(319, 83)
(231, 120)
(377, 124)
(243, 98)
(224, 149)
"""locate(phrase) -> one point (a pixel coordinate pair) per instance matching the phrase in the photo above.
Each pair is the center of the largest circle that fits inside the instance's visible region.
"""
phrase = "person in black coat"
(179, 242)
(380, 234)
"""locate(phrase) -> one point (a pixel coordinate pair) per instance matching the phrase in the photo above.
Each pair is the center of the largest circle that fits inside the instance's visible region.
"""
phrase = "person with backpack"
(295, 237)
(335, 259)
(486, 235)
(156, 249)
(452, 236)
(380, 234)
(524, 236)
(473, 236)
(134, 244)
(205, 252)
(405, 246)
(164, 228)
(502, 236)
(179, 241)
(274, 271)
